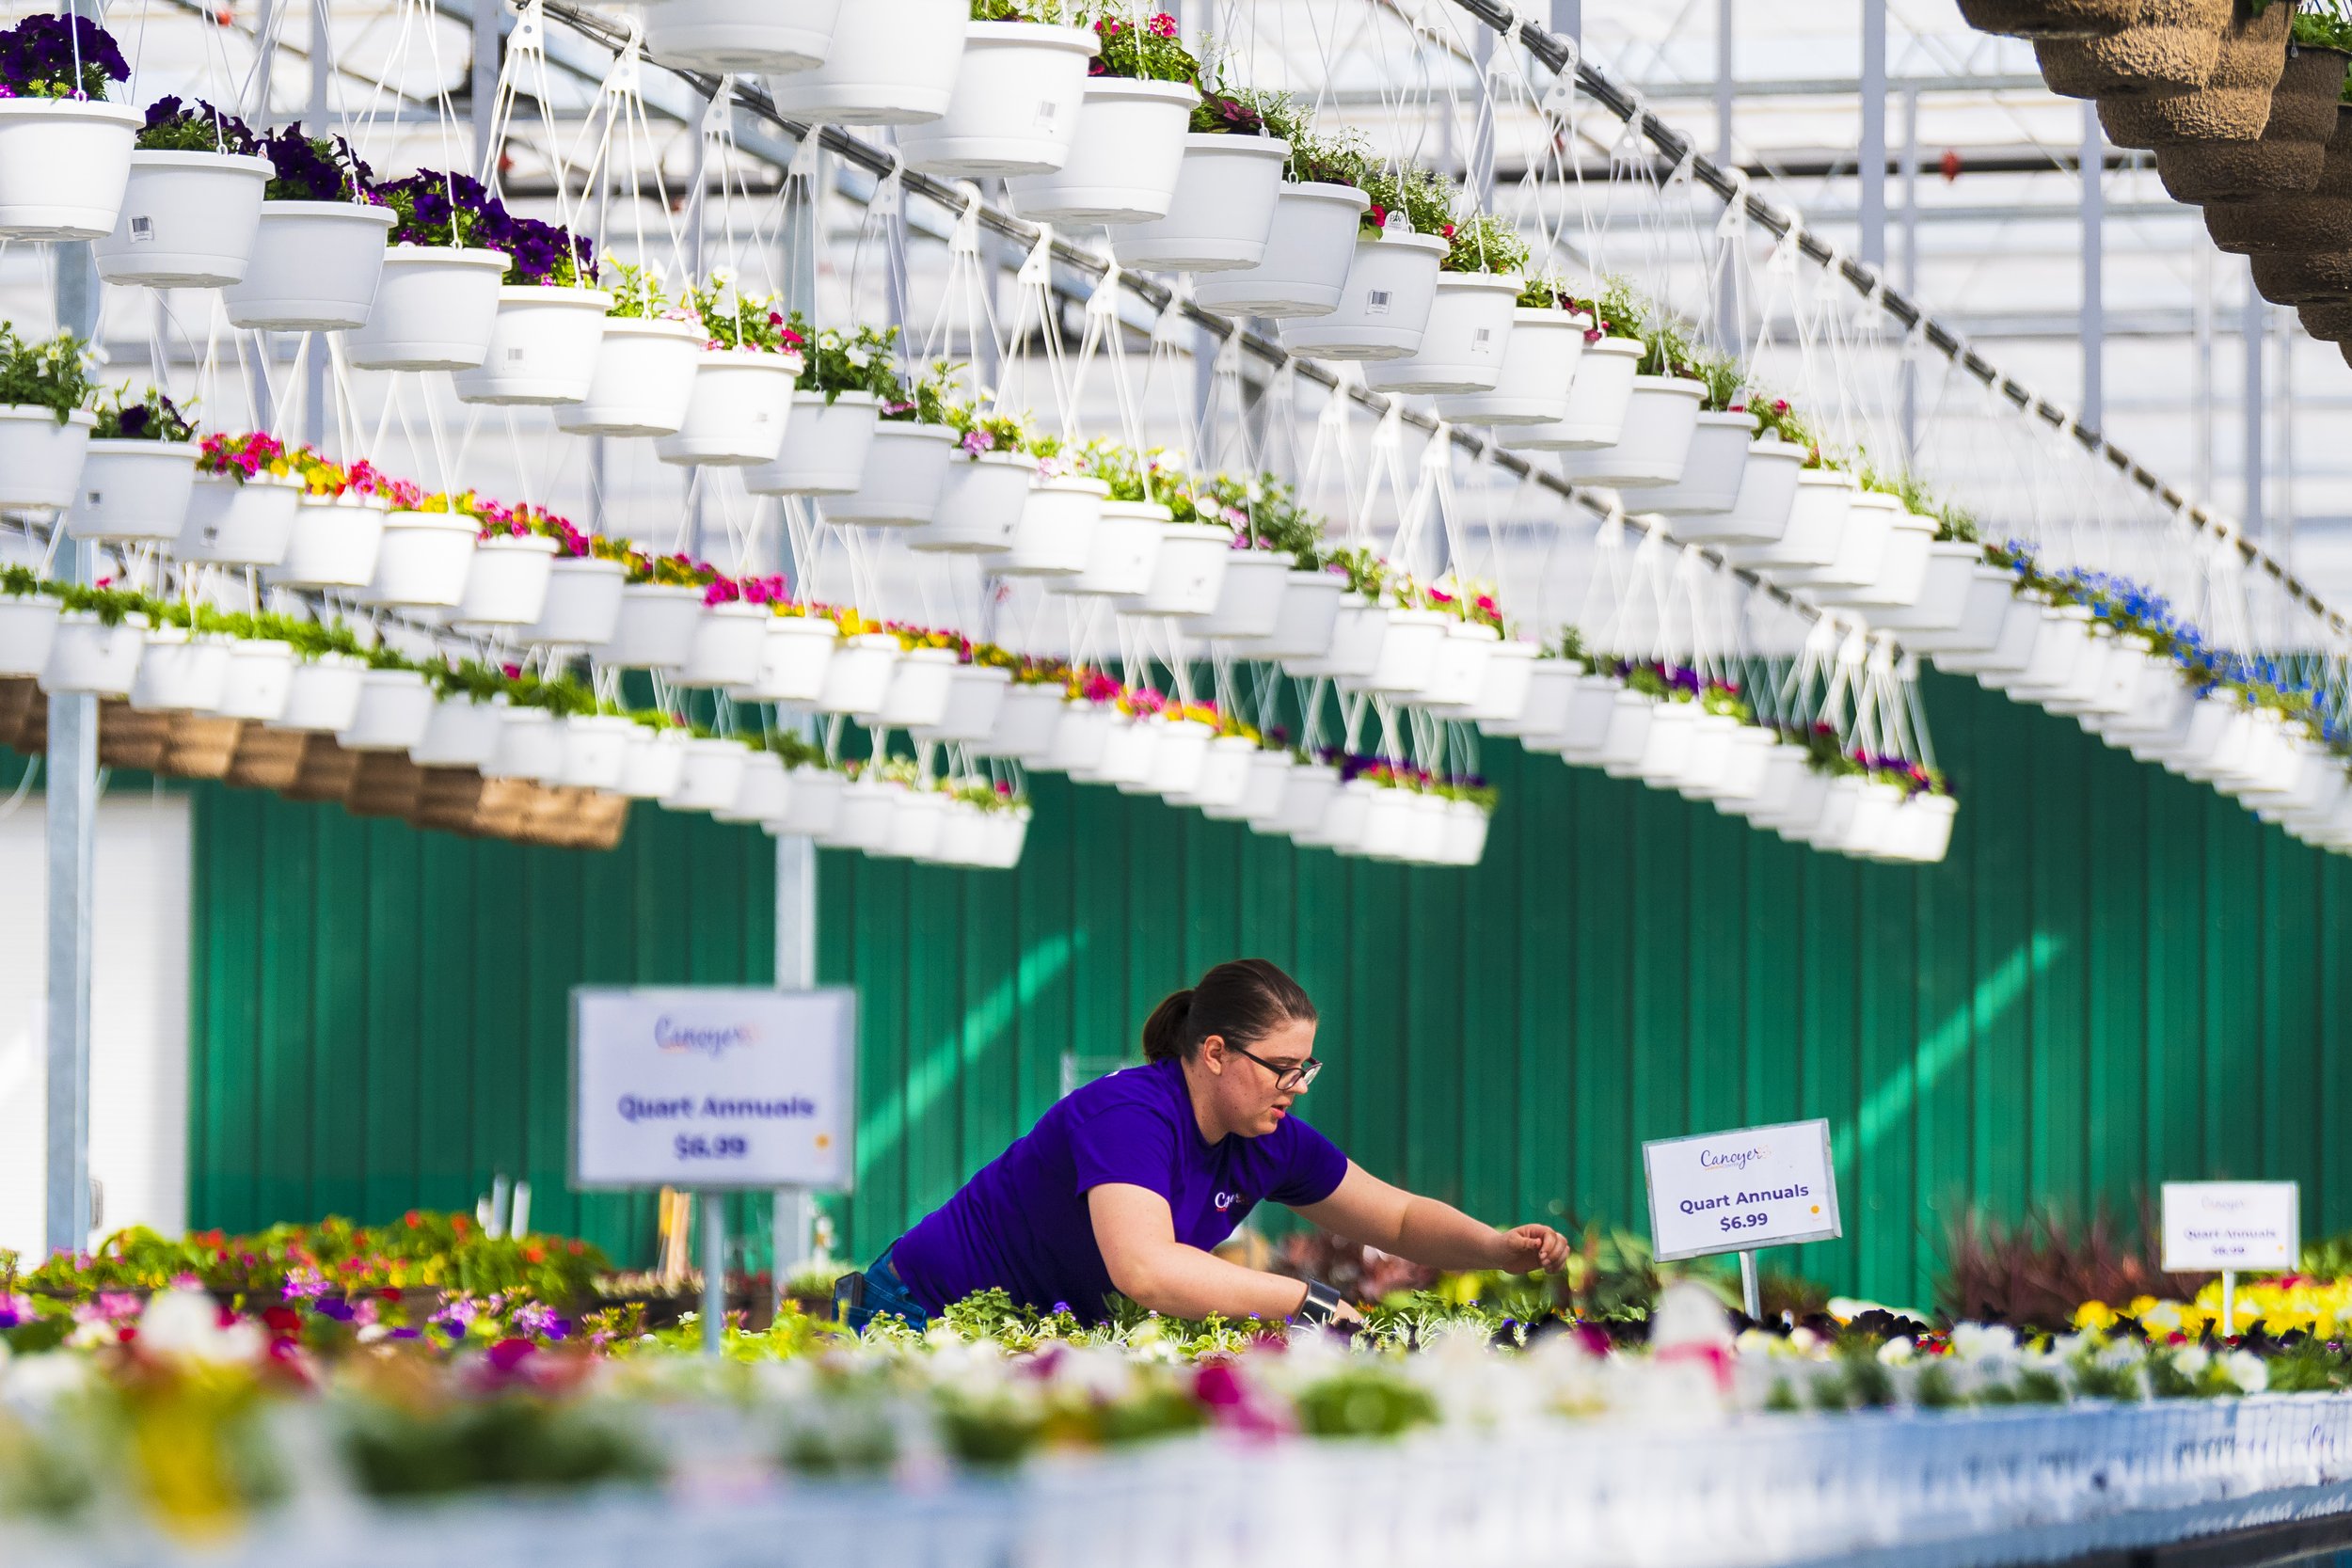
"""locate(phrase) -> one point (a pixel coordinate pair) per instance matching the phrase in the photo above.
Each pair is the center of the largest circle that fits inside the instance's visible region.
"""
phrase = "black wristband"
(1321, 1304)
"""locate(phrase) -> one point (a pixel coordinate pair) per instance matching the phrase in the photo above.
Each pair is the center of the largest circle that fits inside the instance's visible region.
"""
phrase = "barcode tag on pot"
(1376, 304)
(142, 231)
(1048, 113)
(514, 354)
(1485, 342)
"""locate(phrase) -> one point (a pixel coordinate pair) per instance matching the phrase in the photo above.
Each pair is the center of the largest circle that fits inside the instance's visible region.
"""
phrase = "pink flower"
(978, 441)
(1163, 26)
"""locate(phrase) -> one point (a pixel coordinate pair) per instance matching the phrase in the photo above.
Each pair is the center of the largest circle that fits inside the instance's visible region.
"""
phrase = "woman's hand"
(1528, 1248)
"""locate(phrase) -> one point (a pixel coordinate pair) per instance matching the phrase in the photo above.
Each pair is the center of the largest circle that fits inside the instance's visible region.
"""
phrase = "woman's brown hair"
(1243, 1000)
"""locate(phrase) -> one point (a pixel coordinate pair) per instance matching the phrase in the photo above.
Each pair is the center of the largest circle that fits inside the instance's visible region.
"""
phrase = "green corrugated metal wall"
(2118, 977)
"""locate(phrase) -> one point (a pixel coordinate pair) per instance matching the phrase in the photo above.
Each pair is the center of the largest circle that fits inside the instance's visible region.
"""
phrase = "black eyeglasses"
(1290, 1080)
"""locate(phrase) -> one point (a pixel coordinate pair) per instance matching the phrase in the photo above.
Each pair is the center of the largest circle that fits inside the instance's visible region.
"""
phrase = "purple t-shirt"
(1022, 1224)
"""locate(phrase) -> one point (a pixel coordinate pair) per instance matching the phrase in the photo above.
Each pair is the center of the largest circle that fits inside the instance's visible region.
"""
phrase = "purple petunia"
(60, 57)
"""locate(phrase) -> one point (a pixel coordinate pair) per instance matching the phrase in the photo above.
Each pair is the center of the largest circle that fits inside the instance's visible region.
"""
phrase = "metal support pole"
(2228, 1304)
(1751, 1294)
(315, 121)
(2284, 330)
(1870, 157)
(2094, 316)
(1481, 148)
(714, 1272)
(484, 82)
(1730, 330)
(796, 969)
(1567, 19)
(2201, 380)
(2254, 324)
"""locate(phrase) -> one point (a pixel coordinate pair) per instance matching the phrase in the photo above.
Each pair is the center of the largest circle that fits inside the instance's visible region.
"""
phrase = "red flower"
(1449, 231)
(507, 1355)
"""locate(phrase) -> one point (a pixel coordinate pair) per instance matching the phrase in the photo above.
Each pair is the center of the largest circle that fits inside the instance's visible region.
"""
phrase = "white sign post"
(2234, 1226)
(1739, 1191)
(717, 1089)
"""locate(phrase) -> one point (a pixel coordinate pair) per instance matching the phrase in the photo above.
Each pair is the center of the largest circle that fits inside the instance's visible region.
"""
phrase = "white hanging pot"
(711, 777)
(436, 307)
(42, 455)
(825, 447)
(180, 673)
(1542, 716)
(583, 607)
(905, 469)
(1505, 683)
(1391, 830)
(1391, 284)
(1627, 744)
(393, 712)
(1223, 781)
(2014, 649)
(2082, 687)
(976, 698)
(1188, 572)
(857, 677)
(1861, 546)
(1250, 599)
(1753, 747)
(1599, 395)
(1942, 601)
(729, 640)
(1660, 421)
(1026, 723)
(134, 491)
(917, 825)
(1592, 712)
(920, 682)
(980, 502)
(868, 812)
(893, 62)
(1055, 536)
(1539, 359)
(1463, 346)
(1129, 755)
(28, 623)
(1711, 472)
(188, 220)
(1665, 746)
(1775, 781)
(1307, 619)
(1901, 575)
(64, 165)
(1306, 801)
(657, 626)
(963, 836)
(506, 583)
(1081, 735)
(766, 791)
(1015, 104)
(332, 544)
(1179, 756)
(1466, 827)
(1760, 504)
(640, 380)
(736, 413)
(461, 733)
(1359, 631)
(813, 802)
(1705, 770)
(1310, 248)
(314, 267)
(87, 656)
(1121, 551)
(1990, 592)
(544, 343)
(1269, 784)
(422, 560)
(2062, 637)
(595, 750)
(1124, 159)
(1007, 832)
(1408, 653)
(1458, 675)
(261, 679)
(652, 763)
(794, 652)
(1346, 817)
(234, 522)
(324, 695)
(1814, 528)
(744, 36)
(1221, 213)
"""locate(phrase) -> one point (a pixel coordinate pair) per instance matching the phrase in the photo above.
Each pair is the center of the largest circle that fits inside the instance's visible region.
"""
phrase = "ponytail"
(1167, 1034)
(1241, 1001)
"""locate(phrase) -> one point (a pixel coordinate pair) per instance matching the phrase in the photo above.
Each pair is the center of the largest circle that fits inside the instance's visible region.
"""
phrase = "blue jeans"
(883, 1292)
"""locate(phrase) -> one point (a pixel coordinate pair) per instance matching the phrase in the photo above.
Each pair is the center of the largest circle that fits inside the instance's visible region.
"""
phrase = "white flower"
(1896, 1352)
(1689, 1314)
(1975, 1341)
(187, 1322)
(859, 358)
(2192, 1360)
(2064, 1346)
(2247, 1371)
(2164, 1315)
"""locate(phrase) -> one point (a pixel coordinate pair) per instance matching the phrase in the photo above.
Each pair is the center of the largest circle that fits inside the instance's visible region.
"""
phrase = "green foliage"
(1364, 1402)
(736, 320)
(1144, 47)
(514, 1439)
(848, 362)
(54, 373)
(1486, 244)
(1340, 159)
(1266, 509)
(639, 293)
(925, 400)
(150, 416)
(1424, 196)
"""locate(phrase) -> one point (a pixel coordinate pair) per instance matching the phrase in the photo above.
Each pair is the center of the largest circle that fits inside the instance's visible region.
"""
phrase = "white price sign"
(1738, 1190)
(713, 1086)
(2240, 1227)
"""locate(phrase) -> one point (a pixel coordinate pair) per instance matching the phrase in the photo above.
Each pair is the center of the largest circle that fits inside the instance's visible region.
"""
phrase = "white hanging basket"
(314, 267)
(1408, 653)
(1752, 751)
(583, 607)
(980, 502)
(1026, 722)
(1711, 473)
(893, 62)
(1705, 771)
(812, 807)
(1464, 345)
(905, 469)
(1759, 513)
(1391, 284)
(28, 625)
(642, 381)
(1505, 683)
(712, 776)
(87, 656)
(1627, 744)
(1391, 828)
(737, 414)
(1122, 550)
(333, 543)
(744, 36)
(1345, 819)
(1306, 620)
(1539, 358)
(261, 679)
(1592, 712)
(825, 447)
(596, 748)
(1124, 159)
(462, 733)
(1055, 537)
(234, 522)
(916, 824)
(543, 344)
(1665, 746)
(1179, 756)
(920, 683)
(1942, 604)
(1306, 801)
(1458, 675)
(1542, 717)
(506, 583)
(1466, 827)
(1250, 599)
(1310, 248)
(1015, 106)
(180, 673)
(134, 491)
(64, 165)
(1223, 780)
(1188, 572)
(766, 792)
(1270, 784)
(188, 220)
(422, 560)
(867, 815)
(656, 629)
(1359, 631)
(976, 698)
(1902, 570)
(729, 640)
(1598, 398)
(1660, 421)
(436, 307)
(1221, 213)
(1081, 735)
(794, 651)
(2010, 649)
(324, 695)
(1128, 755)
(652, 763)
(42, 455)
(1816, 524)
(395, 711)
(1861, 546)
(963, 836)
(857, 677)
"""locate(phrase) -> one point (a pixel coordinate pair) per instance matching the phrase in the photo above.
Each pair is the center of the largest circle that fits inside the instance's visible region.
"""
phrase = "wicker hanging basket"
(599, 821)
(2171, 48)
(548, 816)
(2304, 277)
(325, 772)
(2330, 323)
(504, 807)
(19, 696)
(2313, 220)
(200, 746)
(129, 739)
(2289, 155)
(2050, 19)
(267, 758)
(387, 784)
(2233, 105)
(447, 798)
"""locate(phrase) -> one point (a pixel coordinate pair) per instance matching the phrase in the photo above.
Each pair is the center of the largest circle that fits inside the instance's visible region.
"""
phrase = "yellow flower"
(2094, 1315)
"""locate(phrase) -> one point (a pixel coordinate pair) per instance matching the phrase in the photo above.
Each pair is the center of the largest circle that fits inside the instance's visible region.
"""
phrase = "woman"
(1128, 1183)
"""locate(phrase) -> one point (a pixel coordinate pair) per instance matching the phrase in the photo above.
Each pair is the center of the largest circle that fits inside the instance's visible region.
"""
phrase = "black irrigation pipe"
(1564, 57)
(880, 160)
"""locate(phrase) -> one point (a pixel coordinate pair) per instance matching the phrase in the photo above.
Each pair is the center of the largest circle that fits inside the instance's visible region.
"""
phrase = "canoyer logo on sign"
(709, 1039)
